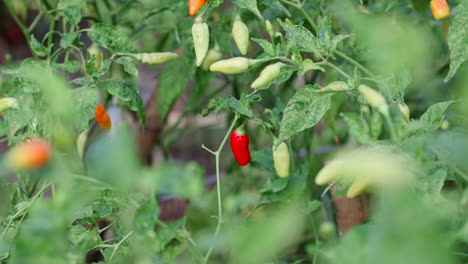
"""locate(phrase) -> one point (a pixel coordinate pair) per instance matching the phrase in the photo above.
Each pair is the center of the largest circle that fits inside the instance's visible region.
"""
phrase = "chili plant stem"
(218, 188)
(304, 13)
(337, 52)
(391, 127)
(354, 62)
(20, 25)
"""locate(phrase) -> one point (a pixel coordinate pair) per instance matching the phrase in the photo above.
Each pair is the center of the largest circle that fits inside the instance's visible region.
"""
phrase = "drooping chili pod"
(445, 125)
(269, 28)
(232, 66)
(213, 56)
(7, 103)
(267, 75)
(95, 52)
(337, 86)
(240, 146)
(201, 39)
(81, 143)
(30, 154)
(374, 99)
(381, 168)
(195, 5)
(360, 184)
(404, 109)
(281, 159)
(240, 33)
(155, 57)
(329, 173)
(102, 118)
(440, 9)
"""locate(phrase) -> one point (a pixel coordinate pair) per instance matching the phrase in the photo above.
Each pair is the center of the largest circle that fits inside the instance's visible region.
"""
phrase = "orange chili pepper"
(440, 9)
(102, 118)
(195, 5)
(30, 154)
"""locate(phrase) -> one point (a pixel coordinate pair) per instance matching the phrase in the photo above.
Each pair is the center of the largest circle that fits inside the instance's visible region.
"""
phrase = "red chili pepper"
(102, 118)
(240, 146)
(195, 5)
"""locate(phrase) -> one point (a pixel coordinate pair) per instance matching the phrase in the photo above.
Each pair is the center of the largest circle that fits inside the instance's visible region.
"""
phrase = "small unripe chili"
(155, 57)
(404, 109)
(7, 103)
(281, 160)
(213, 56)
(267, 75)
(374, 99)
(201, 40)
(231, 66)
(95, 51)
(240, 33)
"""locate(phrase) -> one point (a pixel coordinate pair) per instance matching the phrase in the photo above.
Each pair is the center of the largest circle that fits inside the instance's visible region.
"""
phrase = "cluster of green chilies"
(212, 59)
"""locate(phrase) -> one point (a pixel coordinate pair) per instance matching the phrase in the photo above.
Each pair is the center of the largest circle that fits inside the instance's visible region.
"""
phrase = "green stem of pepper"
(218, 187)
(337, 52)
(20, 24)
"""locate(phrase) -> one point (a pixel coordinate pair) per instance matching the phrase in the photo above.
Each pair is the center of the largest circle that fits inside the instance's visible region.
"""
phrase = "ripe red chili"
(195, 5)
(102, 118)
(240, 146)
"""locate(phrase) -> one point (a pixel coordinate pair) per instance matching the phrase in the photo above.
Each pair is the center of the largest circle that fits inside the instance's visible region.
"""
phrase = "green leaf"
(129, 64)
(314, 205)
(451, 147)
(397, 83)
(113, 160)
(284, 75)
(84, 102)
(263, 159)
(305, 109)
(68, 39)
(37, 47)
(83, 238)
(376, 124)
(169, 232)
(324, 35)
(69, 66)
(300, 36)
(250, 5)
(275, 4)
(19, 118)
(201, 86)
(357, 128)
(110, 38)
(172, 84)
(73, 9)
(458, 38)
(267, 46)
(434, 182)
(147, 216)
(275, 184)
(128, 93)
(308, 65)
(182, 180)
(242, 106)
(430, 120)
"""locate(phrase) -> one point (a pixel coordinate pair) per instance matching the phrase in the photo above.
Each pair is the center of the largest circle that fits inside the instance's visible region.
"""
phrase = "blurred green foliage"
(112, 202)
